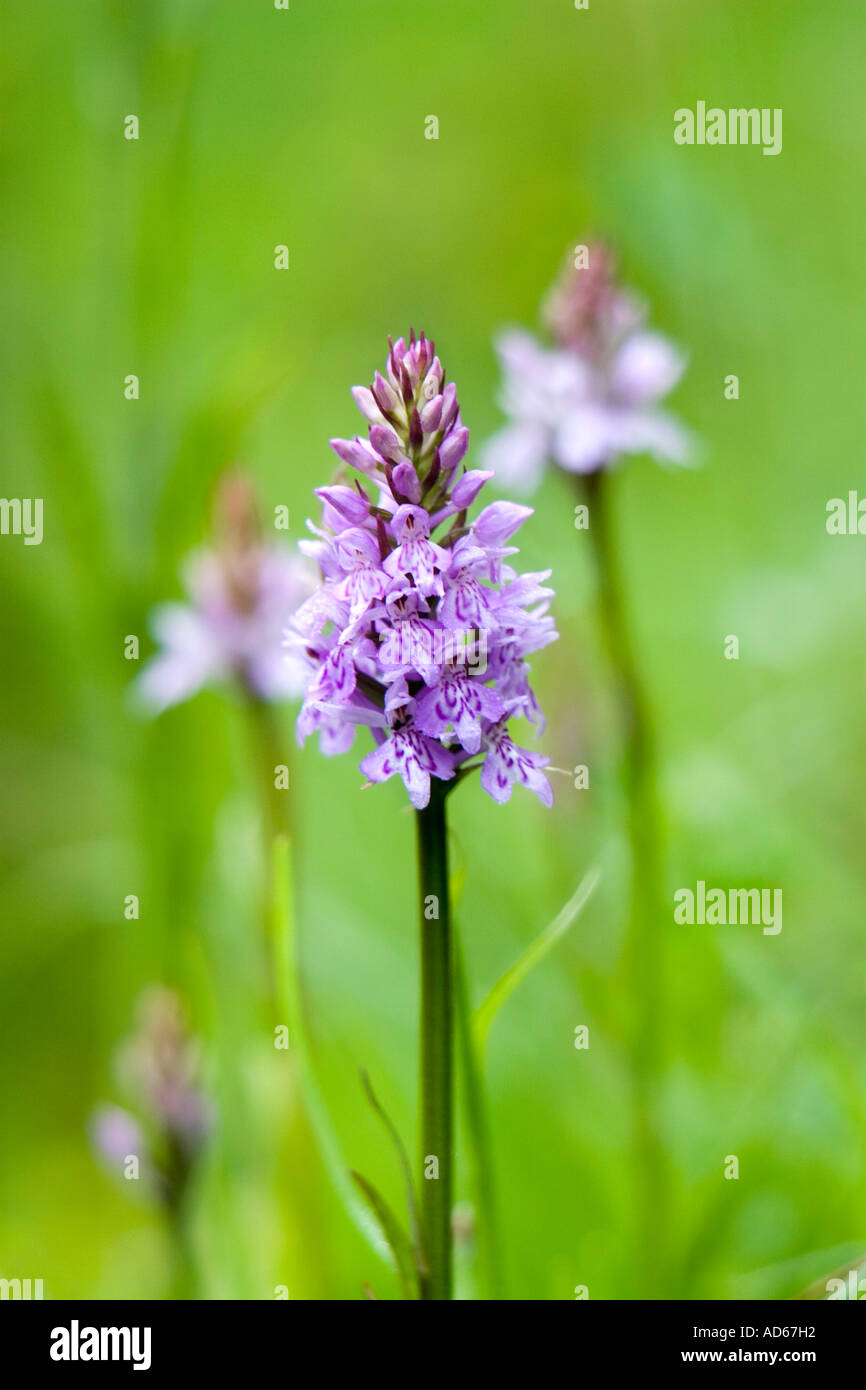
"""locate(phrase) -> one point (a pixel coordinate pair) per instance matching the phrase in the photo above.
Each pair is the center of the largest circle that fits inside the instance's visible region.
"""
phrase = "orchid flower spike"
(420, 627)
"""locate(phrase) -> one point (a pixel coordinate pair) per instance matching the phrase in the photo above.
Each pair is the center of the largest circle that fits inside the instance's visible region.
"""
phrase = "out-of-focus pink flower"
(116, 1136)
(593, 396)
(241, 594)
(159, 1069)
(161, 1065)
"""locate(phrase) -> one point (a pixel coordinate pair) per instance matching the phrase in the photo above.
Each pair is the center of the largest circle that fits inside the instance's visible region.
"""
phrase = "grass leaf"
(288, 985)
(398, 1241)
(534, 953)
(418, 1247)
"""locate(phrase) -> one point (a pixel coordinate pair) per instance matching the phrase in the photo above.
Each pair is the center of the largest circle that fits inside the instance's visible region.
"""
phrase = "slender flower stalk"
(581, 405)
(268, 754)
(643, 963)
(437, 1039)
(420, 630)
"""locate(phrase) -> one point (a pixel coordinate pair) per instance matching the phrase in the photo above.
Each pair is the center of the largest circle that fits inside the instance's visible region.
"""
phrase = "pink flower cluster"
(420, 627)
(594, 396)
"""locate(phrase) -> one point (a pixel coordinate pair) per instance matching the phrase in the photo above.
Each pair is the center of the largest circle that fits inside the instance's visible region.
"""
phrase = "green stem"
(183, 1270)
(643, 963)
(268, 756)
(291, 1011)
(437, 1066)
(183, 1278)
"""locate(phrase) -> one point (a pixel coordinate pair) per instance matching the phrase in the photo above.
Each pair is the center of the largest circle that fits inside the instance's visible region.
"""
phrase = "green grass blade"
(397, 1239)
(288, 988)
(393, 1133)
(534, 953)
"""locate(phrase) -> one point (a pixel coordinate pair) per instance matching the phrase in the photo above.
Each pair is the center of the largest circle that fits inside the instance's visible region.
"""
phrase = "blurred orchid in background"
(595, 394)
(241, 594)
(581, 405)
(159, 1068)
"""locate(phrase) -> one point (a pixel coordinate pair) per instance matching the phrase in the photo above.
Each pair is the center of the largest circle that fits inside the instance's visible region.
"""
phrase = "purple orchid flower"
(419, 628)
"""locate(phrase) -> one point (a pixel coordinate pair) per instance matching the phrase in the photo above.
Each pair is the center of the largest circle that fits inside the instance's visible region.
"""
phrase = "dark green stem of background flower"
(184, 1282)
(643, 963)
(437, 1063)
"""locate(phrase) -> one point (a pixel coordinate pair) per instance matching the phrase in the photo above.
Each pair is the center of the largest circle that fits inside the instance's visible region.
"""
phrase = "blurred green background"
(156, 257)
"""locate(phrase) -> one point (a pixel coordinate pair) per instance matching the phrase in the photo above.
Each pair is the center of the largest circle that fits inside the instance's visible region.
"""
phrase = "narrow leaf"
(419, 1256)
(535, 952)
(288, 985)
(398, 1241)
